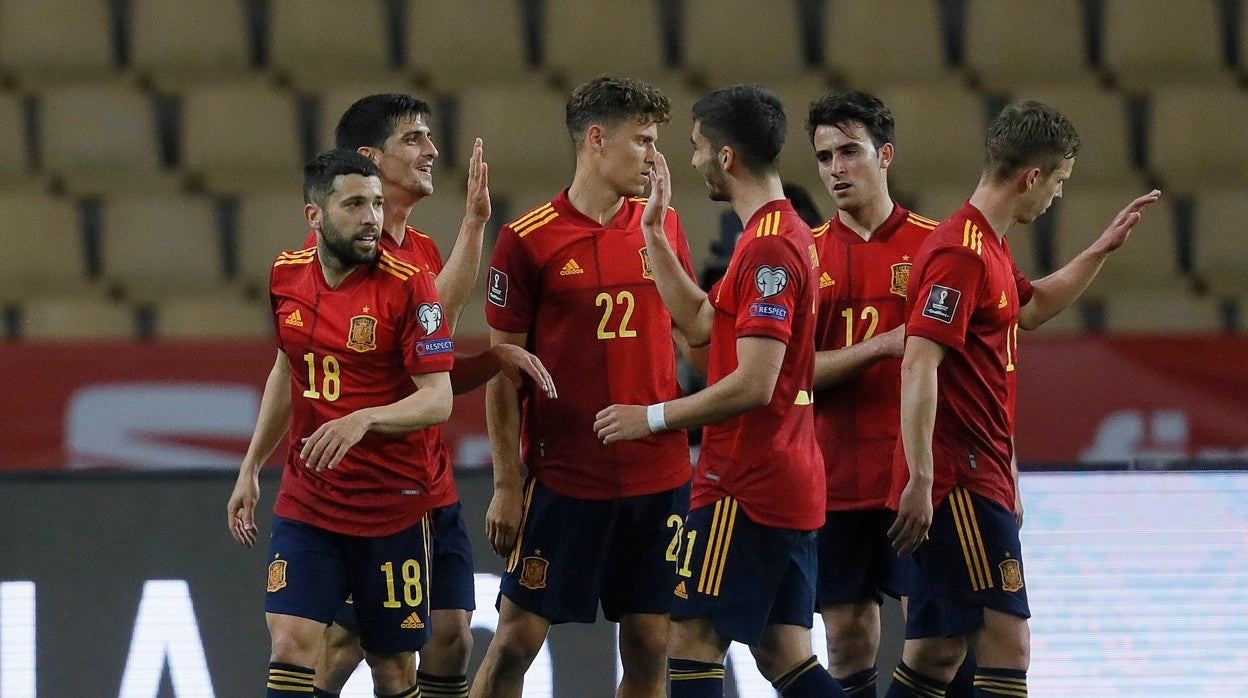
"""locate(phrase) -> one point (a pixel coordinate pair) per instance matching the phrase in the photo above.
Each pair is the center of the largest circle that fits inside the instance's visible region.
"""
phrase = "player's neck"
(332, 268)
(750, 194)
(866, 220)
(997, 205)
(594, 198)
(396, 210)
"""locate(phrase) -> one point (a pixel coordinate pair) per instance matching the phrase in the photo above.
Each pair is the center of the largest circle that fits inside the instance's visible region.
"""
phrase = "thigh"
(732, 569)
(307, 572)
(971, 561)
(641, 560)
(558, 566)
(856, 560)
(390, 590)
(452, 584)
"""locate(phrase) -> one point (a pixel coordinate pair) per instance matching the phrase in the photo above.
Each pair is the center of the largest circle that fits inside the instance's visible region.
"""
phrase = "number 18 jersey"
(585, 295)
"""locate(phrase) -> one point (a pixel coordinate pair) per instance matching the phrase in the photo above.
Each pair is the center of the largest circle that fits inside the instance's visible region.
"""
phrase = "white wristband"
(656, 417)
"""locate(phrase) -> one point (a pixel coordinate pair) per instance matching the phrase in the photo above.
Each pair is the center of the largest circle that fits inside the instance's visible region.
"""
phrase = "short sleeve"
(511, 285)
(768, 288)
(948, 294)
(423, 331)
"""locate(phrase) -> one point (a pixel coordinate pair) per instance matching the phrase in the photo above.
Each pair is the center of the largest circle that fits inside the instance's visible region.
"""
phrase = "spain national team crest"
(533, 576)
(277, 575)
(901, 278)
(646, 273)
(363, 336)
(1011, 575)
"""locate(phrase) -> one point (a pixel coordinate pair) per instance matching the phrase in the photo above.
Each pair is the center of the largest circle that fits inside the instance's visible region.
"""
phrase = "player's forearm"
(686, 303)
(428, 406)
(833, 366)
(1057, 291)
(272, 421)
(502, 420)
(473, 371)
(918, 419)
(737, 393)
(459, 275)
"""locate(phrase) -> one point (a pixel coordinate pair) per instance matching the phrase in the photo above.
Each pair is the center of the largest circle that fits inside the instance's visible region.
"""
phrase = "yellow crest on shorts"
(277, 575)
(901, 278)
(533, 575)
(1011, 575)
(363, 335)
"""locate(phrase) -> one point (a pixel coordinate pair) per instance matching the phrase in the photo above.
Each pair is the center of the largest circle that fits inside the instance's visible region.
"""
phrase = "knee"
(392, 672)
(850, 649)
(454, 641)
(938, 659)
(643, 645)
(768, 660)
(291, 646)
(341, 659)
(514, 652)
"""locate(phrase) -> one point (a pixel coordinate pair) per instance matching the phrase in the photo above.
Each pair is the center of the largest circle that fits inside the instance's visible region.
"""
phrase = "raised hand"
(477, 205)
(660, 197)
(1120, 228)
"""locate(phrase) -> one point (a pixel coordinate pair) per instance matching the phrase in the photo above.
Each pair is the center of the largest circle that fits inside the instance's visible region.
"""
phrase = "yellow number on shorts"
(673, 548)
(413, 591)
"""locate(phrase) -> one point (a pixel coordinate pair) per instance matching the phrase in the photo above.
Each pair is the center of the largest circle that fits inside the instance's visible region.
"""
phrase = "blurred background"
(150, 172)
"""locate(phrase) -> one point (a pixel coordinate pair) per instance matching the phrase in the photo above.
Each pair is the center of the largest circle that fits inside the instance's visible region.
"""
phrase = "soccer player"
(393, 131)
(358, 373)
(954, 487)
(572, 281)
(865, 253)
(747, 551)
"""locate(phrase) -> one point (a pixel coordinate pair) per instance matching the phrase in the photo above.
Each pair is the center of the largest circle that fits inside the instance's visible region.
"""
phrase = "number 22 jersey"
(584, 294)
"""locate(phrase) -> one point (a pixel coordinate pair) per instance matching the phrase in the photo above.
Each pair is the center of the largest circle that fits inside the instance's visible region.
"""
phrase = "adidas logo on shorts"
(413, 622)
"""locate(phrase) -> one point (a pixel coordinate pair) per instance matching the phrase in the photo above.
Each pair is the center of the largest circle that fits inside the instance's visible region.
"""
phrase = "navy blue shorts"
(576, 553)
(452, 585)
(856, 558)
(313, 571)
(744, 576)
(972, 560)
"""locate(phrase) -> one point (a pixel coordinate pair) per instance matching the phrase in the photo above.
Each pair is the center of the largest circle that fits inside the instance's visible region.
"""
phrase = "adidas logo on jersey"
(571, 268)
(825, 280)
(681, 591)
(1003, 302)
(294, 319)
(413, 622)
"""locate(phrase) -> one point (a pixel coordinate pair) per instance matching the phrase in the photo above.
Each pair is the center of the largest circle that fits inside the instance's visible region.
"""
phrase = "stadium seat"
(1162, 311)
(310, 39)
(940, 135)
(14, 163)
(575, 50)
(242, 135)
(454, 45)
(731, 41)
(335, 99)
(44, 251)
(1149, 43)
(1196, 136)
(797, 160)
(53, 40)
(152, 246)
(213, 317)
(1100, 117)
(267, 225)
(1147, 260)
(1220, 239)
(114, 148)
(1000, 54)
(873, 42)
(523, 131)
(169, 41)
(76, 317)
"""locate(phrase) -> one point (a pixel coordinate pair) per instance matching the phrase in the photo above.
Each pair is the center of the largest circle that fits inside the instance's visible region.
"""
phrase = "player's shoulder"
(295, 258)
(918, 223)
(534, 220)
(821, 230)
(397, 264)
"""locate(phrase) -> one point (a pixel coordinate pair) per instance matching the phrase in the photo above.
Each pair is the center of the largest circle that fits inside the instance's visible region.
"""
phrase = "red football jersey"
(352, 347)
(767, 458)
(585, 295)
(862, 293)
(423, 251)
(965, 293)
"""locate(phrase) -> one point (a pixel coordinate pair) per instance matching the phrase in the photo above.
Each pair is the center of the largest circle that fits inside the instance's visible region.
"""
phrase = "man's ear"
(313, 214)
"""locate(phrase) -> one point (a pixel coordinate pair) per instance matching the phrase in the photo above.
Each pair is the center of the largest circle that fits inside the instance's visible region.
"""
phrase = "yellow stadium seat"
(873, 42)
(76, 317)
(56, 40)
(152, 246)
(241, 135)
(731, 41)
(44, 247)
(1170, 310)
(1149, 43)
(1220, 240)
(1001, 53)
(170, 43)
(1147, 260)
(213, 317)
(1195, 139)
(310, 39)
(479, 42)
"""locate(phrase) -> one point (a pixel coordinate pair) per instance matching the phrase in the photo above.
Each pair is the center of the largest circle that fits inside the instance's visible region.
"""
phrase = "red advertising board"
(153, 405)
